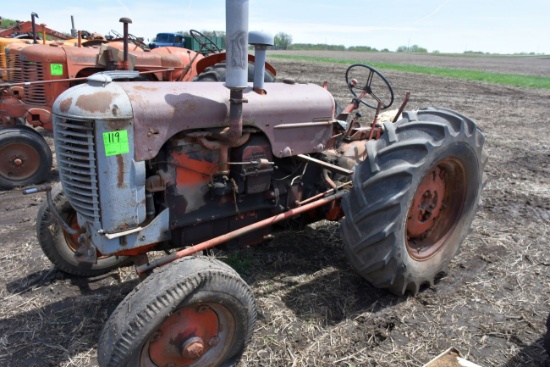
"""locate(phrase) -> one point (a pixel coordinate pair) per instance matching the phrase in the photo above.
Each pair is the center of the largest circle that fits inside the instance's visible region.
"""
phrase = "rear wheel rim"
(19, 161)
(436, 208)
(195, 335)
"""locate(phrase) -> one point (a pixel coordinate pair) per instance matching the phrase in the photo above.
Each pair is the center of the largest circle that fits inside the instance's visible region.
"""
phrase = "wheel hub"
(184, 337)
(17, 162)
(193, 348)
(22, 161)
(435, 208)
(427, 203)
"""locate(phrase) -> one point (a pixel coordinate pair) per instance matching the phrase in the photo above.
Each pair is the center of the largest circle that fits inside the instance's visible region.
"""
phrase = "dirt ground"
(313, 309)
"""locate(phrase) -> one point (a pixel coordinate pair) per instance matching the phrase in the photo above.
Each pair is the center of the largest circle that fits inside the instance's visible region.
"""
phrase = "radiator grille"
(76, 157)
(14, 67)
(33, 72)
(2, 57)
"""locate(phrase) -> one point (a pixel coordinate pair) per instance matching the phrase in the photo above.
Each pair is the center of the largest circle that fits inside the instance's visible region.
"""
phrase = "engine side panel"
(306, 109)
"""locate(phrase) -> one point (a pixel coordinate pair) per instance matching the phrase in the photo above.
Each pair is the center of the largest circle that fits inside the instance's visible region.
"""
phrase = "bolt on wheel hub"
(184, 337)
(435, 208)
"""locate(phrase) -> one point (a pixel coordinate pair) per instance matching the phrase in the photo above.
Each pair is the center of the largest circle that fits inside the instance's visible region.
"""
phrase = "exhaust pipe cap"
(260, 39)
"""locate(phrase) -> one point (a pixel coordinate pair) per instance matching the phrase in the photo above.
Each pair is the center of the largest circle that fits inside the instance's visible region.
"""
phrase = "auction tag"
(116, 142)
(56, 69)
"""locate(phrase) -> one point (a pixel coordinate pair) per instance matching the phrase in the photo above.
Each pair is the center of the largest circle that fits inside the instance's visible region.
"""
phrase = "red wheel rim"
(19, 161)
(194, 335)
(435, 208)
(72, 239)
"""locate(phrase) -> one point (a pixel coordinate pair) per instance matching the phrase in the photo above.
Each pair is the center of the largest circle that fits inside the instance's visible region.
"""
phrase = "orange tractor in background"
(29, 33)
(29, 29)
(37, 74)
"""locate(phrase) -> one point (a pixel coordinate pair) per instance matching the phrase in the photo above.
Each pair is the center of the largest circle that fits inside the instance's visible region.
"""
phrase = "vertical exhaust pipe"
(126, 21)
(260, 41)
(236, 25)
(74, 32)
(34, 15)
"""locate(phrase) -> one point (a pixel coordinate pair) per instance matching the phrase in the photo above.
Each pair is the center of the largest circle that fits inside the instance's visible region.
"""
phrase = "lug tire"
(59, 246)
(29, 147)
(139, 332)
(433, 153)
(217, 72)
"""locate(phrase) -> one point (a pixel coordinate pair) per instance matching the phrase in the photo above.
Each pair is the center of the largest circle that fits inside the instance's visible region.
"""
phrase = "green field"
(515, 80)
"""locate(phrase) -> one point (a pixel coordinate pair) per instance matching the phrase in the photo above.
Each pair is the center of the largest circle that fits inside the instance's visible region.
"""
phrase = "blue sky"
(497, 26)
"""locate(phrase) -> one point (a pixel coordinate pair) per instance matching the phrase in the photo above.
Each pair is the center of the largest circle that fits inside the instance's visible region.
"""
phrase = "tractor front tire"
(413, 199)
(59, 246)
(193, 312)
(26, 158)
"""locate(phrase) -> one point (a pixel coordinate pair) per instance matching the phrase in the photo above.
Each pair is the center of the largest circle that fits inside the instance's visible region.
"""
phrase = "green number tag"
(116, 142)
(56, 69)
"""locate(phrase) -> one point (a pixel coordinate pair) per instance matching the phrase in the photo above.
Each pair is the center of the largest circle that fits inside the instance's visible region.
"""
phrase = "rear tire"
(25, 157)
(196, 311)
(413, 199)
(217, 73)
(59, 247)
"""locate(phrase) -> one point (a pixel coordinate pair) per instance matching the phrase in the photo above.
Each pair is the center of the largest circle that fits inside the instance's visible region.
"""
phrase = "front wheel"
(60, 246)
(194, 312)
(413, 199)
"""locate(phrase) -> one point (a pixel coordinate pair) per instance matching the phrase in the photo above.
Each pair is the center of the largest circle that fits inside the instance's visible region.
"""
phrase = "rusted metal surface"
(436, 208)
(27, 26)
(185, 106)
(31, 67)
(176, 56)
(402, 107)
(239, 232)
(221, 57)
(193, 335)
(10, 106)
(427, 203)
(234, 131)
(40, 117)
(125, 21)
(18, 161)
(100, 102)
(183, 337)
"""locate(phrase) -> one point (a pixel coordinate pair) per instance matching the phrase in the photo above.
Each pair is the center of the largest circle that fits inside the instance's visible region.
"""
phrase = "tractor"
(38, 74)
(183, 167)
(27, 32)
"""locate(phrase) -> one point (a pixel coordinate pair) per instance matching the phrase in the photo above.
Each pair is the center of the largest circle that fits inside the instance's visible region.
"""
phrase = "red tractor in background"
(29, 33)
(38, 74)
(29, 30)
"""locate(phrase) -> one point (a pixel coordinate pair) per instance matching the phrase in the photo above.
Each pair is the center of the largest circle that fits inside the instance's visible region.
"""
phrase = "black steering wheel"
(116, 34)
(369, 86)
(138, 42)
(206, 43)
